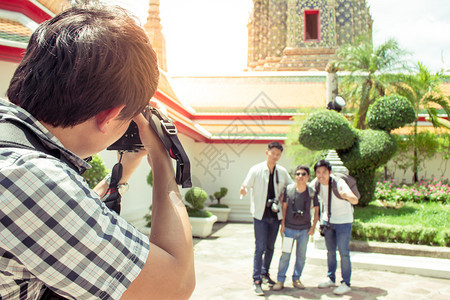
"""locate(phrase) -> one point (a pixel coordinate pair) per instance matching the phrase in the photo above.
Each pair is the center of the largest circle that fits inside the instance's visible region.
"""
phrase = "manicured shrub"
(399, 234)
(218, 196)
(365, 180)
(390, 112)
(196, 197)
(373, 148)
(326, 130)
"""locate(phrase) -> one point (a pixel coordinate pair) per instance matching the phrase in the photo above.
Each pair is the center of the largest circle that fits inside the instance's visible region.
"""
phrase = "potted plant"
(220, 210)
(201, 220)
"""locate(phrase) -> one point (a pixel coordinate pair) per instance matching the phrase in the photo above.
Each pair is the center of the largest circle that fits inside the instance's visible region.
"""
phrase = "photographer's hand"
(169, 268)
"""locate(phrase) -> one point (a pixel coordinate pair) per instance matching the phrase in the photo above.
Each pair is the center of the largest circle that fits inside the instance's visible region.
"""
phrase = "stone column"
(331, 83)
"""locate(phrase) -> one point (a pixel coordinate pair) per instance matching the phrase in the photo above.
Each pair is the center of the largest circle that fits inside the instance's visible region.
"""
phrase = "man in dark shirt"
(296, 226)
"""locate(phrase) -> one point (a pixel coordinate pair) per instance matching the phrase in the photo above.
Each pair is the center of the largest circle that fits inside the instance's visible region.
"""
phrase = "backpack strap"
(290, 191)
(336, 178)
(17, 135)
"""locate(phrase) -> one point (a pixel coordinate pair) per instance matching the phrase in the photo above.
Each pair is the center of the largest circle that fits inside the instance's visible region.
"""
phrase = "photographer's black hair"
(322, 163)
(303, 167)
(85, 60)
(275, 145)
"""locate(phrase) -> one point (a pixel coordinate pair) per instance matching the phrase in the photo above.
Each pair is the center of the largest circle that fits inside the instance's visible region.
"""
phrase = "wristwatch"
(122, 188)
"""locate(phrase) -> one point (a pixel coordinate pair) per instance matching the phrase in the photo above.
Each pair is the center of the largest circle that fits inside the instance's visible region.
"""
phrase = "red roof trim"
(191, 133)
(286, 117)
(11, 54)
(172, 104)
(245, 141)
(27, 8)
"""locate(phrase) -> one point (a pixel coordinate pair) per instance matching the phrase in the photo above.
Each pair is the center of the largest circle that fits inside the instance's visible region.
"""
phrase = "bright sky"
(210, 36)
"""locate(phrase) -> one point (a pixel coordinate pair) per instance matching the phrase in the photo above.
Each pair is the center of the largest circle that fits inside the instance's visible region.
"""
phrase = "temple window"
(312, 25)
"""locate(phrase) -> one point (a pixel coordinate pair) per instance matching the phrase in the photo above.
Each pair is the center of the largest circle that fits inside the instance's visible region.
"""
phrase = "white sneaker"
(326, 284)
(342, 289)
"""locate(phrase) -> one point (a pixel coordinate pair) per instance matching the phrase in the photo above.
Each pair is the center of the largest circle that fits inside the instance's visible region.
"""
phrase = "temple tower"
(153, 28)
(302, 35)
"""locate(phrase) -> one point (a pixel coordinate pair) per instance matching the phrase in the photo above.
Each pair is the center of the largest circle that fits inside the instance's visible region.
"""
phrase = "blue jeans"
(301, 238)
(266, 231)
(338, 235)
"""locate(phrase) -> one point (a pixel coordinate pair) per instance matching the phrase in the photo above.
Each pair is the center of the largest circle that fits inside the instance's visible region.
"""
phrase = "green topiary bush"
(196, 196)
(366, 182)
(373, 148)
(390, 112)
(218, 196)
(95, 174)
(327, 130)
(361, 151)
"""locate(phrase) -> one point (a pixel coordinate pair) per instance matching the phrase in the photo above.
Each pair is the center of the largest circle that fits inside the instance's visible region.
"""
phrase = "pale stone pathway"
(224, 263)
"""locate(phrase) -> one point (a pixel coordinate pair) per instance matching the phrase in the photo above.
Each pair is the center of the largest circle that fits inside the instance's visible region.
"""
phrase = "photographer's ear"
(103, 118)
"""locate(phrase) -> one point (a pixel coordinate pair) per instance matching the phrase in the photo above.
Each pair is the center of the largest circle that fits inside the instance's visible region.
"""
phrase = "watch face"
(123, 188)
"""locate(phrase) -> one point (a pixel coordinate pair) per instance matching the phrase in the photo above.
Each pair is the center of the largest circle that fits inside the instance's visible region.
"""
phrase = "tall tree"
(367, 67)
(422, 89)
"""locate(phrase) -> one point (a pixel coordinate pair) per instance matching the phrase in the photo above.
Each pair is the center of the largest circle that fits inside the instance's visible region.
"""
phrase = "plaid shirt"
(54, 229)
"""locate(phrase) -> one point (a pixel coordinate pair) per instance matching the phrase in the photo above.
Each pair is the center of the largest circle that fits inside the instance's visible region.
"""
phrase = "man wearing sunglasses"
(296, 225)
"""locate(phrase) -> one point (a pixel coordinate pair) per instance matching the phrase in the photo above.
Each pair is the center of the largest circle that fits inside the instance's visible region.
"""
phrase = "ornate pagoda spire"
(154, 30)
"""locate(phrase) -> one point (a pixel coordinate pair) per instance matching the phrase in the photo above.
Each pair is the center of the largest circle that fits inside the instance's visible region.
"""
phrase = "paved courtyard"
(224, 263)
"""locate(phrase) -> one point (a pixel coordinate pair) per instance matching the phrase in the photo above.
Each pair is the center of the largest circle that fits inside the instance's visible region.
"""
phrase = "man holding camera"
(267, 181)
(337, 229)
(85, 75)
(296, 225)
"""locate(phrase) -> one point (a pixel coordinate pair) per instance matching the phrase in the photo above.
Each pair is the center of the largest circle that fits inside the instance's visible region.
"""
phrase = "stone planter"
(221, 213)
(202, 227)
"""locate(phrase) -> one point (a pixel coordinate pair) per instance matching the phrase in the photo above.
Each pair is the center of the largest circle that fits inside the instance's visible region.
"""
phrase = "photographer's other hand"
(130, 161)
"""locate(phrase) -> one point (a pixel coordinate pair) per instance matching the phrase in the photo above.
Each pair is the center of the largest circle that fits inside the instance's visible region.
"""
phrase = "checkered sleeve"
(57, 231)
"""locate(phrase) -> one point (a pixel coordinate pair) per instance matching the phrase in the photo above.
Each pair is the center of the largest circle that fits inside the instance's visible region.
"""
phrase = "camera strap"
(112, 198)
(167, 132)
(330, 188)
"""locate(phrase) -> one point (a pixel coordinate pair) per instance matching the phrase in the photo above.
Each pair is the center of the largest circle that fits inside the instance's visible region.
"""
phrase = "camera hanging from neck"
(113, 197)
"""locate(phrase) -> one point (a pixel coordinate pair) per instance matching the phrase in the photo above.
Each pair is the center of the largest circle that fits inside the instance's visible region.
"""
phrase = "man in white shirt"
(339, 227)
(267, 181)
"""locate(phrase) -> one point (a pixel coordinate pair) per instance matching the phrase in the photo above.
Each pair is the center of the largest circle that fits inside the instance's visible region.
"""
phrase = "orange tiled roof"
(14, 31)
(55, 6)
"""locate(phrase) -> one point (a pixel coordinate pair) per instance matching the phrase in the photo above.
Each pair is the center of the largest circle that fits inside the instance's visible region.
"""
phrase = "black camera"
(323, 228)
(273, 204)
(297, 213)
(167, 132)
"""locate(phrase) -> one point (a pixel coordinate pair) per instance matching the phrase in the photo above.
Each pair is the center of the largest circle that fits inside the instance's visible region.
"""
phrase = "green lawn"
(427, 215)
